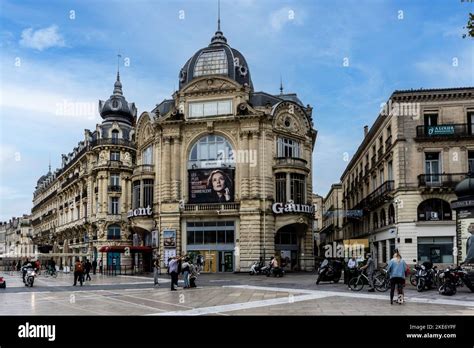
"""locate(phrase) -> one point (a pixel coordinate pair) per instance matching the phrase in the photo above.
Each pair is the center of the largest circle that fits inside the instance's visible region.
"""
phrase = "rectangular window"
(113, 232)
(114, 179)
(210, 108)
(114, 155)
(470, 122)
(435, 249)
(288, 148)
(390, 170)
(381, 176)
(147, 155)
(96, 203)
(470, 161)
(432, 167)
(136, 195)
(147, 193)
(210, 232)
(114, 205)
(297, 186)
(280, 187)
(431, 119)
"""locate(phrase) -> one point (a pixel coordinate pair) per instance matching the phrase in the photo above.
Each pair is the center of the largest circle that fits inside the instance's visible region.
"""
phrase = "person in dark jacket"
(87, 269)
(94, 266)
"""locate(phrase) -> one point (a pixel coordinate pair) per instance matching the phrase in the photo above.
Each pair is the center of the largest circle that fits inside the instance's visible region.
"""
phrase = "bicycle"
(380, 282)
(50, 272)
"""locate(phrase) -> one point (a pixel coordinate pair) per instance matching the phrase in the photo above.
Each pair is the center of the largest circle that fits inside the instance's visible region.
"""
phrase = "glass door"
(432, 168)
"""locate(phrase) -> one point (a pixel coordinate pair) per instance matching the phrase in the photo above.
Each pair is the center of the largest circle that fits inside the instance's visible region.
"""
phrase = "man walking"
(88, 267)
(173, 270)
(94, 266)
(370, 267)
(156, 271)
(78, 272)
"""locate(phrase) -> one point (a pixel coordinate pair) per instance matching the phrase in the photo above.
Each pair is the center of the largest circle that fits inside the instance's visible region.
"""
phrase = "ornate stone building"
(219, 156)
(219, 172)
(403, 175)
(82, 207)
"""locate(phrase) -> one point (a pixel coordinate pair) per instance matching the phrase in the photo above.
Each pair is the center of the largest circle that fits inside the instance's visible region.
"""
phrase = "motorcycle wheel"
(413, 279)
(319, 279)
(30, 281)
(420, 286)
(336, 280)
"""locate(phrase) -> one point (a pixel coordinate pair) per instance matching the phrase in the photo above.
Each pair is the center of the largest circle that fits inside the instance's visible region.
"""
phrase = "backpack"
(79, 267)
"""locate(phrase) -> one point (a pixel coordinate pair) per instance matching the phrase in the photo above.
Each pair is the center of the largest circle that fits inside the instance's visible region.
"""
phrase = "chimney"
(366, 130)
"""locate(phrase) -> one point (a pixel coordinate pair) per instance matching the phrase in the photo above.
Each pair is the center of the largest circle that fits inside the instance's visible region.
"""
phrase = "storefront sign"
(139, 212)
(441, 130)
(290, 207)
(462, 204)
(211, 185)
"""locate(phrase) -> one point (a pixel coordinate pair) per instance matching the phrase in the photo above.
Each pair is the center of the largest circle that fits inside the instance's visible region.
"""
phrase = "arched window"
(113, 232)
(391, 214)
(383, 220)
(211, 151)
(434, 209)
(115, 135)
(375, 221)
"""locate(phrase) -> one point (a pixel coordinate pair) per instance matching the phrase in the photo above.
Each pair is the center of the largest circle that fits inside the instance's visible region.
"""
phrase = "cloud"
(42, 38)
(282, 16)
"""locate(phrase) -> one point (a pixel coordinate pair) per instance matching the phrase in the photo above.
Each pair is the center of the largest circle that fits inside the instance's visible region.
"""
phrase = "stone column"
(176, 166)
(254, 174)
(166, 169)
(244, 167)
(124, 195)
(104, 194)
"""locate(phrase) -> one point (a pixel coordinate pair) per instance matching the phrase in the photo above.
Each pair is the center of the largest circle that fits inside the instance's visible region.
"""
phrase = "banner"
(211, 185)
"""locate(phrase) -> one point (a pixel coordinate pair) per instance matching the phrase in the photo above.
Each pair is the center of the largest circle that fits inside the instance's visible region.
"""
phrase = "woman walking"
(185, 271)
(396, 269)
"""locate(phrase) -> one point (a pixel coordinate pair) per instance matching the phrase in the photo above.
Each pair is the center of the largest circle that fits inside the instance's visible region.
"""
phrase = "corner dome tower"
(216, 59)
(116, 108)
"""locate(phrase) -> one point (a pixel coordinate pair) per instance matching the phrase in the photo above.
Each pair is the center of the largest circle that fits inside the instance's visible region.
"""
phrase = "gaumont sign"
(139, 212)
(290, 207)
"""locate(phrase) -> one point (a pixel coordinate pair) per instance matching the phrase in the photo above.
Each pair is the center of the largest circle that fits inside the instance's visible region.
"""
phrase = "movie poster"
(169, 238)
(211, 185)
(465, 232)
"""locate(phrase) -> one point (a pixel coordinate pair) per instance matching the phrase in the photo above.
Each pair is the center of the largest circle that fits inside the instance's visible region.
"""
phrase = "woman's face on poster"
(470, 229)
(218, 182)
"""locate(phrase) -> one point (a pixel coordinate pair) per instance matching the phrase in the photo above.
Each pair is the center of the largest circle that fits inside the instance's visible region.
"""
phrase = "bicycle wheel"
(55, 275)
(356, 284)
(381, 283)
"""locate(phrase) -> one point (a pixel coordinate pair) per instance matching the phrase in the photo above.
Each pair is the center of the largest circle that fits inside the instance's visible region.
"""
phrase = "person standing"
(192, 275)
(370, 267)
(78, 272)
(156, 271)
(100, 266)
(397, 271)
(351, 268)
(173, 271)
(94, 266)
(185, 271)
(88, 267)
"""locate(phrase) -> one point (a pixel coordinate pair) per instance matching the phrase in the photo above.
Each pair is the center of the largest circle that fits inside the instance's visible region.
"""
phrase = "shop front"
(288, 245)
(210, 245)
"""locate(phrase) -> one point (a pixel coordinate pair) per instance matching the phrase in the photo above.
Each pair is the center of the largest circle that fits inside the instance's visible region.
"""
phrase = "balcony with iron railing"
(112, 141)
(380, 152)
(69, 181)
(114, 188)
(445, 131)
(388, 142)
(380, 193)
(447, 181)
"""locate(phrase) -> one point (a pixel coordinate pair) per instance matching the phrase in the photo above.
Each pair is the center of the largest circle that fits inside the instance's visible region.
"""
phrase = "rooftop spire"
(118, 84)
(281, 85)
(218, 37)
(49, 164)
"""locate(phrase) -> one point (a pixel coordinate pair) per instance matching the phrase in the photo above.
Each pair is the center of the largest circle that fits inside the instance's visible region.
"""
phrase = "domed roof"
(117, 107)
(216, 59)
(466, 187)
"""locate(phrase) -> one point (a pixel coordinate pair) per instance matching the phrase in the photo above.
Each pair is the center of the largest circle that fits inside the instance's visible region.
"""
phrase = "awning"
(121, 249)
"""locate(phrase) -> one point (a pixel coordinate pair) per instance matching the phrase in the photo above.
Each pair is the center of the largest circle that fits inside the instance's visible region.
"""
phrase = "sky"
(342, 57)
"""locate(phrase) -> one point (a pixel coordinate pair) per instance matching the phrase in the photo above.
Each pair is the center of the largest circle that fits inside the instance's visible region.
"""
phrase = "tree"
(470, 26)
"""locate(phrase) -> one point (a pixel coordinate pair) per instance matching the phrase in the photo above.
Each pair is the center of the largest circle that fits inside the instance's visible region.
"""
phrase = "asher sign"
(139, 212)
(290, 207)
(441, 130)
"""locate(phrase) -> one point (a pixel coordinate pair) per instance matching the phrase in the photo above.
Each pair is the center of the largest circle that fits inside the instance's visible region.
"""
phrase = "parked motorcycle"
(329, 271)
(30, 277)
(452, 278)
(425, 276)
(276, 272)
(259, 268)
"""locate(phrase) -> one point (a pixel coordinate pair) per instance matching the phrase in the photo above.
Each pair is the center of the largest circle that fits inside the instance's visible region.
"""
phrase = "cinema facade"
(218, 171)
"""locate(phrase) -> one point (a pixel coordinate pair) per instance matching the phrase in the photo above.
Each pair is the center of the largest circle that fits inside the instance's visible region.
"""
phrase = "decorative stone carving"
(102, 158)
(127, 159)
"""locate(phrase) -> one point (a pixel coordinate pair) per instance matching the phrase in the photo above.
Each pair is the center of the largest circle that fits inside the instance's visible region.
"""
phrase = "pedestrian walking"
(370, 267)
(87, 267)
(78, 272)
(173, 271)
(350, 270)
(193, 274)
(100, 266)
(156, 271)
(94, 266)
(397, 269)
(199, 263)
(185, 271)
